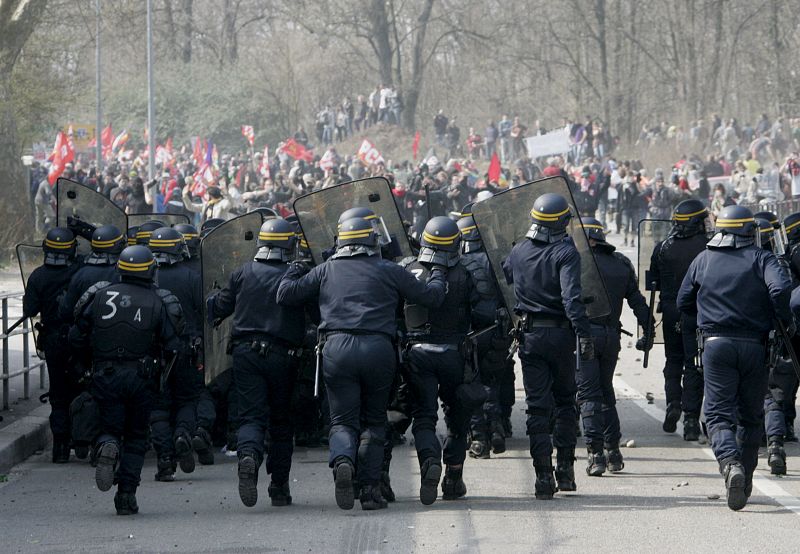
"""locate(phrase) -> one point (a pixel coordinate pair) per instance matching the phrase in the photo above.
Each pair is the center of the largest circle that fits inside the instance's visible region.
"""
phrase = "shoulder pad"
(626, 260)
(174, 309)
(88, 296)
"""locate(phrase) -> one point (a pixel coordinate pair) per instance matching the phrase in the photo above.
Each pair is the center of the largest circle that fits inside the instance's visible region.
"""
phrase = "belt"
(268, 343)
(357, 333)
(542, 322)
(753, 340)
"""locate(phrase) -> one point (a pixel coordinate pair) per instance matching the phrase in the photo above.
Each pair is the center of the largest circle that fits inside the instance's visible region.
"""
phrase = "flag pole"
(151, 112)
(98, 132)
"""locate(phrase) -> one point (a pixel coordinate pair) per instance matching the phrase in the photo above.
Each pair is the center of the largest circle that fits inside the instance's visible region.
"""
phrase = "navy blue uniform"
(127, 325)
(735, 333)
(547, 287)
(358, 300)
(595, 384)
(86, 276)
(668, 265)
(266, 341)
(173, 413)
(46, 287)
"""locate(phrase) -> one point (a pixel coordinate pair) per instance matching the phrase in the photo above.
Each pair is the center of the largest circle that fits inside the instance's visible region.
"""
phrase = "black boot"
(565, 469)
(776, 457)
(498, 438)
(371, 498)
(248, 479)
(735, 485)
(107, 457)
(81, 450)
(343, 476)
(185, 454)
(790, 436)
(430, 473)
(279, 494)
(386, 487)
(596, 465)
(479, 448)
(691, 427)
(453, 486)
(201, 442)
(614, 462)
(60, 451)
(165, 466)
(671, 418)
(545, 486)
(125, 503)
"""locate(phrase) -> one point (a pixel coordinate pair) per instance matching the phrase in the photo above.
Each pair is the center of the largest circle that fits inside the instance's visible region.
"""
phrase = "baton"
(651, 329)
(787, 342)
(318, 356)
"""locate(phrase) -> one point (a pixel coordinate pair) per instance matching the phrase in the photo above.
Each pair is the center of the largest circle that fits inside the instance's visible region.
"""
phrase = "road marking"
(767, 485)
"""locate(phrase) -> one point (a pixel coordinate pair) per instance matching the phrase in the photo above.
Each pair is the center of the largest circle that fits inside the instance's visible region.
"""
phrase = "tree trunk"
(187, 31)
(379, 22)
(414, 89)
(713, 71)
(600, 14)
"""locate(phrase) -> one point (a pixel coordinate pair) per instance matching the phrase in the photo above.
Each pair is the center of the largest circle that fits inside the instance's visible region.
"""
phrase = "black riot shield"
(80, 202)
(224, 249)
(318, 213)
(504, 219)
(169, 220)
(29, 257)
(651, 232)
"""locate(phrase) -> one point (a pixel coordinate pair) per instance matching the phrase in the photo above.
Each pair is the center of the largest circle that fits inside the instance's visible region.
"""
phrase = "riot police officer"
(172, 420)
(192, 239)
(43, 291)
(435, 351)
(596, 397)
(668, 264)
(358, 296)
(130, 327)
(486, 426)
(734, 337)
(145, 231)
(100, 265)
(545, 270)
(784, 375)
(267, 341)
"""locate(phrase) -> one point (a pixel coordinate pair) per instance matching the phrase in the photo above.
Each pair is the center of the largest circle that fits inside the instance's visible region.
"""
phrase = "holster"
(701, 343)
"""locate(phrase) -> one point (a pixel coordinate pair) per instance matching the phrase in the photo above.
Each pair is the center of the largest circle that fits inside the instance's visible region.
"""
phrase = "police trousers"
(780, 399)
(596, 398)
(436, 372)
(264, 384)
(174, 407)
(358, 372)
(735, 384)
(548, 374)
(124, 399)
(494, 369)
(683, 382)
(63, 387)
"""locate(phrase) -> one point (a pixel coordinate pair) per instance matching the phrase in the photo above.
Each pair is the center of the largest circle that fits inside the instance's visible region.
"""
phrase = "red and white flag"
(63, 153)
(119, 140)
(368, 154)
(249, 134)
(328, 160)
(263, 169)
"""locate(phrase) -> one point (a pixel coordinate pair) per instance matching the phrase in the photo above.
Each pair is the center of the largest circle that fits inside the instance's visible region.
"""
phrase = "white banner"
(368, 154)
(554, 142)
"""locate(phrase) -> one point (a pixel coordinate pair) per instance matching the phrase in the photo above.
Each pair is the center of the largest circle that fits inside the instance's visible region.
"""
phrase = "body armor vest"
(126, 320)
(452, 318)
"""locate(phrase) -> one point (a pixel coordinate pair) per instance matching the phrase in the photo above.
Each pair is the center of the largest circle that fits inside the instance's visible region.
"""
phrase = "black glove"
(645, 342)
(791, 329)
(299, 268)
(587, 348)
(80, 228)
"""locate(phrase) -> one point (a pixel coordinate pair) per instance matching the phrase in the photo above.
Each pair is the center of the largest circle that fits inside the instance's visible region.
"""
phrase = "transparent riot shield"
(224, 249)
(134, 220)
(80, 202)
(29, 257)
(651, 232)
(504, 219)
(318, 213)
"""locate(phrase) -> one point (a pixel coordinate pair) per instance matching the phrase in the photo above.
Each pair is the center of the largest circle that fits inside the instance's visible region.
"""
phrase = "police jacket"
(489, 300)
(736, 291)
(84, 277)
(251, 296)
(450, 322)
(127, 321)
(46, 287)
(619, 277)
(547, 281)
(360, 293)
(184, 283)
(670, 261)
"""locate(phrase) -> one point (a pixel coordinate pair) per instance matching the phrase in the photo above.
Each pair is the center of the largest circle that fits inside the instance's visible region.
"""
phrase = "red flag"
(120, 140)
(264, 168)
(415, 145)
(197, 151)
(59, 158)
(249, 134)
(295, 150)
(494, 168)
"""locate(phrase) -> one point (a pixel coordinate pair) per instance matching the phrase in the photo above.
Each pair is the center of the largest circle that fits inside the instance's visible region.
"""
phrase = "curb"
(21, 439)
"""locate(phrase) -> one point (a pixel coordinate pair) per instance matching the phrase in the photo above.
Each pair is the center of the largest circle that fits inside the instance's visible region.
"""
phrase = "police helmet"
(468, 228)
(766, 233)
(108, 239)
(551, 210)
(791, 224)
(137, 262)
(276, 240)
(483, 195)
(356, 231)
(145, 230)
(690, 216)
(59, 246)
(302, 245)
(190, 236)
(440, 242)
(770, 217)
(594, 229)
(266, 213)
(736, 220)
(167, 245)
(131, 235)
(376, 221)
(210, 224)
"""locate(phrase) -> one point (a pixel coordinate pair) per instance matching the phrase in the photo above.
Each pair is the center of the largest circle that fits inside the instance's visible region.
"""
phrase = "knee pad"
(591, 408)
(375, 435)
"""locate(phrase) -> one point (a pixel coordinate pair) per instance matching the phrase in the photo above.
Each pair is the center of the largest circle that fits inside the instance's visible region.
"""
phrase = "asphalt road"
(670, 498)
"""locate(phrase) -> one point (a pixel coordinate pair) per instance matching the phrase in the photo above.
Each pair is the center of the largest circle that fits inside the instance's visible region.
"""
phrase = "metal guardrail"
(27, 366)
(781, 209)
